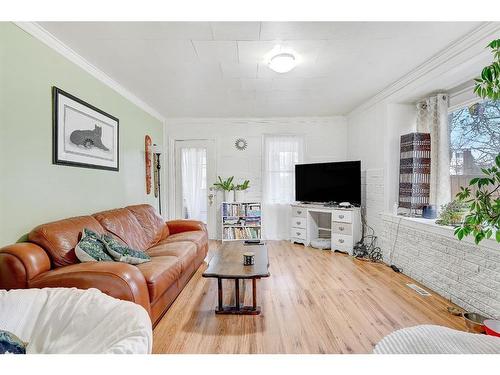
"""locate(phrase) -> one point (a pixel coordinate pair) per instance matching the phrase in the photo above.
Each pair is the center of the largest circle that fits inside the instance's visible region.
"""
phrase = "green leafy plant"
(245, 185)
(488, 85)
(483, 218)
(452, 213)
(226, 185)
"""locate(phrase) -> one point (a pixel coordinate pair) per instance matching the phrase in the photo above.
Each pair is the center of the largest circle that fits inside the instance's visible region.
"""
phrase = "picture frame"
(83, 135)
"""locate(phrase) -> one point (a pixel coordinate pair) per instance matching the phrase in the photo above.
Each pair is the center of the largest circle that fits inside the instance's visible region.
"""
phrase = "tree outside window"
(474, 141)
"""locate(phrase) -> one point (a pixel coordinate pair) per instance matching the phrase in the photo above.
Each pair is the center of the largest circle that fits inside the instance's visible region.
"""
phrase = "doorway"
(194, 175)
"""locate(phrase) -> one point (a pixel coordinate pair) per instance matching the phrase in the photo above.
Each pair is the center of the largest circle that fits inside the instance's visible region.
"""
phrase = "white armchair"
(70, 320)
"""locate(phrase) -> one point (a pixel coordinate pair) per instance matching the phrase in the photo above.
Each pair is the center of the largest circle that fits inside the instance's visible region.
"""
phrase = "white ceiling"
(217, 69)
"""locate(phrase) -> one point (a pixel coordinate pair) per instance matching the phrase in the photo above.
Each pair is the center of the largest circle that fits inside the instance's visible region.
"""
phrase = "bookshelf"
(241, 221)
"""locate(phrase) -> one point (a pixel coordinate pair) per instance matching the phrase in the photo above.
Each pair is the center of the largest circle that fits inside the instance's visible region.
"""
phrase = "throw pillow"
(90, 232)
(122, 253)
(11, 344)
(91, 248)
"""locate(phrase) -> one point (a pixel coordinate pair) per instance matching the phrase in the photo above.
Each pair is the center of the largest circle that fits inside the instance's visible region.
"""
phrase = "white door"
(194, 176)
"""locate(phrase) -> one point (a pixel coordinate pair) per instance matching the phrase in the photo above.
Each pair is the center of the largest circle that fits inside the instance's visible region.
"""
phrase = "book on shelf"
(236, 233)
(241, 209)
(247, 221)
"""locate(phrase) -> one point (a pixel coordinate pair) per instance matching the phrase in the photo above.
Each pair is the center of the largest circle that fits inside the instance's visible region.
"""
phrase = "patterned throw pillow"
(122, 253)
(90, 232)
(11, 344)
(91, 248)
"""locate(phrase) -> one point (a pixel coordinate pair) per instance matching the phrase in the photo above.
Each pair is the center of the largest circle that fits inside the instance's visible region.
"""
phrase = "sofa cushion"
(160, 273)
(123, 224)
(199, 237)
(153, 224)
(59, 238)
(184, 250)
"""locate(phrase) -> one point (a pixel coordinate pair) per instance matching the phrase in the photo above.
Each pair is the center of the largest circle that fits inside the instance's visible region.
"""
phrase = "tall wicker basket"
(414, 173)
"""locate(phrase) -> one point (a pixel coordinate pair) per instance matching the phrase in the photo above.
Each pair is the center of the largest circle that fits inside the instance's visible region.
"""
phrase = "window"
(282, 152)
(474, 141)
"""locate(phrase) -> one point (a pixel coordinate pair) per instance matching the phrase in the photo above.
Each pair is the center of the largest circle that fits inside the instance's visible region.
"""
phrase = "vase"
(228, 195)
(239, 195)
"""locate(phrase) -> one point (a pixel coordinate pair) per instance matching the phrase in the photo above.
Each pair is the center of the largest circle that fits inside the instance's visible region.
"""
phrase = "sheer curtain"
(194, 189)
(281, 153)
(432, 117)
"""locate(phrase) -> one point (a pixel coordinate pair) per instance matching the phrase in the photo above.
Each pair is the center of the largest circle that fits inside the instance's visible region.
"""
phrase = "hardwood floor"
(314, 302)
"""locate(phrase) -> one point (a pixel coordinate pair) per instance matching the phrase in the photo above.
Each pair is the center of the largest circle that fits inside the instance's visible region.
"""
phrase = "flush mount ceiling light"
(283, 62)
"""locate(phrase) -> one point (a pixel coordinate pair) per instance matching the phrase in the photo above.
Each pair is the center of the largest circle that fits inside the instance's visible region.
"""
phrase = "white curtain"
(432, 117)
(281, 153)
(194, 195)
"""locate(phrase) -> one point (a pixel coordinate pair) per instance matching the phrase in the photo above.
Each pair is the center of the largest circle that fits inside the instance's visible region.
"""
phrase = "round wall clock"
(241, 144)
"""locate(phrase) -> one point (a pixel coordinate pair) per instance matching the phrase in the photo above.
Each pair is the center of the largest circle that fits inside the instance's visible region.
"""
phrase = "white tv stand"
(310, 221)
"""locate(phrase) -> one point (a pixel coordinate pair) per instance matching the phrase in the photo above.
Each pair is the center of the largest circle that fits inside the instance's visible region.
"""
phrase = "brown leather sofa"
(177, 248)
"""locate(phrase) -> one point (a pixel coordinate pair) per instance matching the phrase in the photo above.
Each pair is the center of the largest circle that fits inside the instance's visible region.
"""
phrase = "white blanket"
(431, 339)
(70, 320)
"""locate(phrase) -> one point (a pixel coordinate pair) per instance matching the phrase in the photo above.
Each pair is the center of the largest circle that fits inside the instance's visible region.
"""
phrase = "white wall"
(400, 119)
(365, 137)
(373, 137)
(365, 142)
(324, 140)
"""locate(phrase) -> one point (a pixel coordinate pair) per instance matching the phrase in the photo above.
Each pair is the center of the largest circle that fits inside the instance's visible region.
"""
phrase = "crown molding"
(473, 40)
(463, 96)
(309, 120)
(51, 41)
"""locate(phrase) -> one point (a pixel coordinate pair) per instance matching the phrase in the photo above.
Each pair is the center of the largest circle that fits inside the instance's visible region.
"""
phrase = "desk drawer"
(299, 211)
(341, 228)
(342, 242)
(299, 222)
(298, 233)
(341, 215)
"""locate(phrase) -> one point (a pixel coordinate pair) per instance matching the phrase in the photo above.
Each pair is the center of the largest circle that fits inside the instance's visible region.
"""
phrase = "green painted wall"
(32, 189)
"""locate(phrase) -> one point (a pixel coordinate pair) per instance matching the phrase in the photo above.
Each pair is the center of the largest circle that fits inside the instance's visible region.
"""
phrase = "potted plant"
(483, 217)
(239, 191)
(452, 213)
(227, 187)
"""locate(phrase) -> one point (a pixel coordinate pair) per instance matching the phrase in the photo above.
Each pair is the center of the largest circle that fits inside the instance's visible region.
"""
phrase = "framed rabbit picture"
(83, 135)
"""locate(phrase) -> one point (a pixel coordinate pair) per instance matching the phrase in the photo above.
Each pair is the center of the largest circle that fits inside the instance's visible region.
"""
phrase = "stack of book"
(231, 220)
(251, 221)
(253, 209)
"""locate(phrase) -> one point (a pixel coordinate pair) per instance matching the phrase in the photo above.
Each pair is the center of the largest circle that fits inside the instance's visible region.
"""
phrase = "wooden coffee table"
(228, 264)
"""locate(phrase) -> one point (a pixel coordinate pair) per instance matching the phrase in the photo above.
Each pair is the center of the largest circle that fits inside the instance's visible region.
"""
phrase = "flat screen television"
(327, 182)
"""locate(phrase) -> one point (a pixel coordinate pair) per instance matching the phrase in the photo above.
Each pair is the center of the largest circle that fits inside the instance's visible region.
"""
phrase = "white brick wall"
(372, 196)
(460, 271)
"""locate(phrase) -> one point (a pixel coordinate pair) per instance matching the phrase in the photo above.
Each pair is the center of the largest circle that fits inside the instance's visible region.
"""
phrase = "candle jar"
(248, 259)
